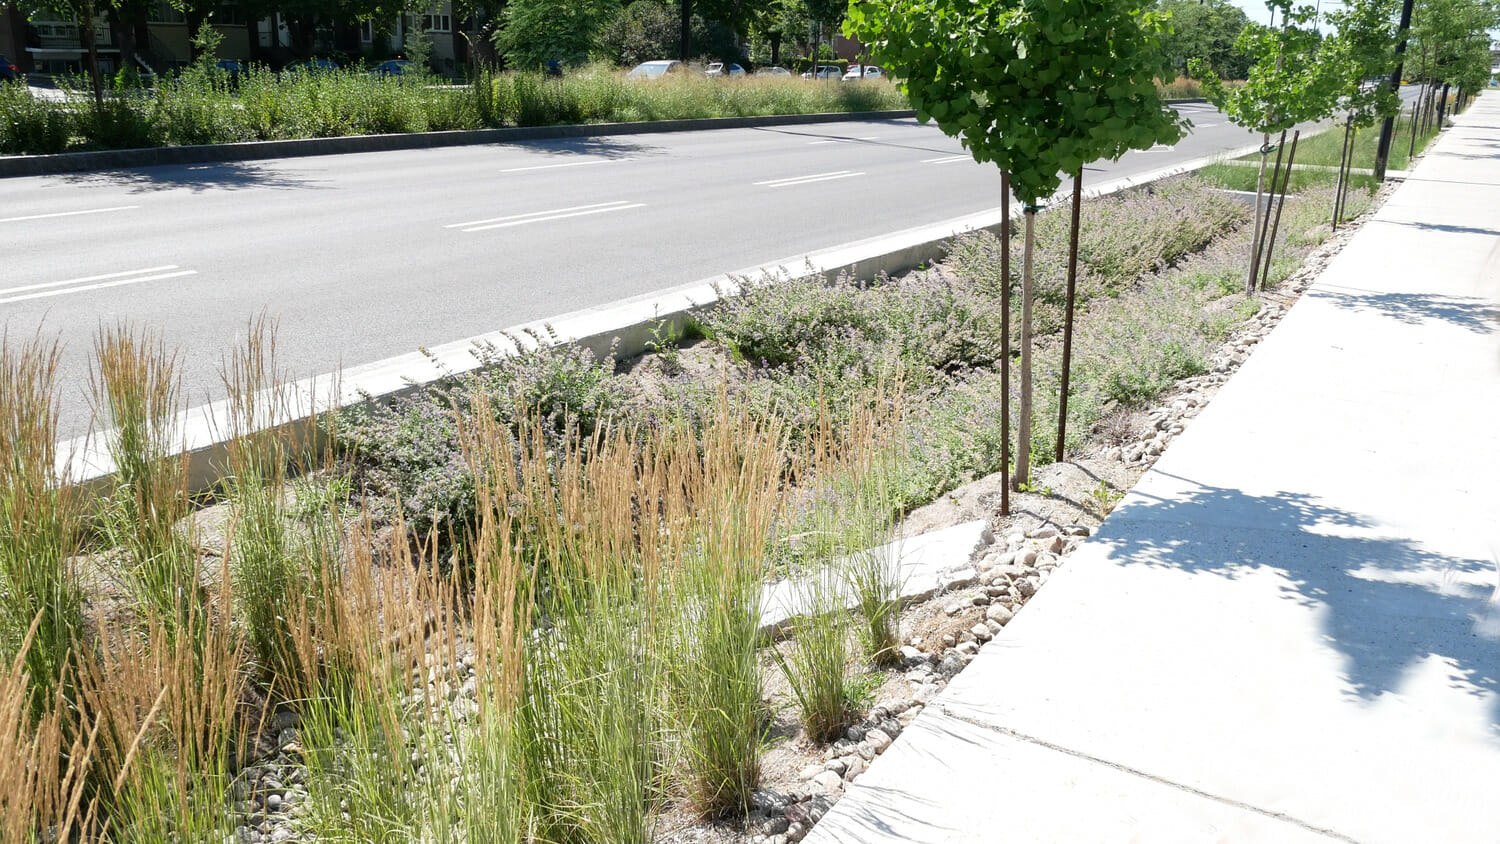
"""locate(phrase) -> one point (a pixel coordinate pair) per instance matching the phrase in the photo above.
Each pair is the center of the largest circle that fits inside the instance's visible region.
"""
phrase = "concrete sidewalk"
(1288, 630)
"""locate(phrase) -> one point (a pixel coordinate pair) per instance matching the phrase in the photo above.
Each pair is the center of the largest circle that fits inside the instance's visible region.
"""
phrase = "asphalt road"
(361, 257)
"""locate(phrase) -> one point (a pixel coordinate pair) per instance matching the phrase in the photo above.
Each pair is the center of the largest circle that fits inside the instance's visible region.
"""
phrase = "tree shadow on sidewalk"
(1387, 604)
(1469, 313)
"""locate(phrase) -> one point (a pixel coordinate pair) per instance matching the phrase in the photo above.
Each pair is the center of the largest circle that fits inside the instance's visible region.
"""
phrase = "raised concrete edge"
(624, 327)
(922, 566)
(74, 162)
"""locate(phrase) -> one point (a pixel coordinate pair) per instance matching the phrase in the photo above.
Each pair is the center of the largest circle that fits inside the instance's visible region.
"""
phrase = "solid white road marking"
(947, 159)
(543, 216)
(83, 285)
(804, 180)
(566, 164)
(842, 140)
(68, 213)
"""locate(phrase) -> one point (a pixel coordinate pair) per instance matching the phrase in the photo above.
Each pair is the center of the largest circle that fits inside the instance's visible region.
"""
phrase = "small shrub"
(29, 125)
(410, 450)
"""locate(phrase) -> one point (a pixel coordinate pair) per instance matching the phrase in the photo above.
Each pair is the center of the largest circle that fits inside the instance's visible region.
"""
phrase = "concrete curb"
(74, 162)
(116, 159)
(624, 327)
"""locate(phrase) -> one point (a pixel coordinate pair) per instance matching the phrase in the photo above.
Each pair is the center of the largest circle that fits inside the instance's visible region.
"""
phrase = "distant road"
(362, 257)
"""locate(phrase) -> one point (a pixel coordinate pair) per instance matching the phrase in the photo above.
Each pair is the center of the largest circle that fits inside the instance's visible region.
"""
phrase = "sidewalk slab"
(1294, 612)
(990, 786)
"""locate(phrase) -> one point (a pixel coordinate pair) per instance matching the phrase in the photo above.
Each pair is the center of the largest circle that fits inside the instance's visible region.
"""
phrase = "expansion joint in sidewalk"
(1227, 801)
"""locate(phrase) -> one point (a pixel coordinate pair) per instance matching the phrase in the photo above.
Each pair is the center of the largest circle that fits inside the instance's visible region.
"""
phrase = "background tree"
(1037, 88)
(642, 31)
(1207, 30)
(1450, 41)
(1290, 82)
(1363, 50)
(538, 31)
(88, 14)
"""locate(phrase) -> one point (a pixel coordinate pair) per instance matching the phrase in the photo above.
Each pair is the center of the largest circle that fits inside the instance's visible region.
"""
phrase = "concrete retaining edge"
(624, 327)
(74, 162)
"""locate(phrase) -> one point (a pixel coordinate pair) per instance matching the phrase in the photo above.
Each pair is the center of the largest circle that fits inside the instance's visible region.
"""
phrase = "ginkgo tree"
(1291, 81)
(1037, 87)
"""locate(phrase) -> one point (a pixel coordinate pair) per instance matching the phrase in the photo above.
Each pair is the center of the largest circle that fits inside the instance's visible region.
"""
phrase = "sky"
(1258, 12)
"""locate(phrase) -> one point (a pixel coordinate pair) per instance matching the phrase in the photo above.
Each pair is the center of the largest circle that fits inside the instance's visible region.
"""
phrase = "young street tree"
(1290, 82)
(1037, 88)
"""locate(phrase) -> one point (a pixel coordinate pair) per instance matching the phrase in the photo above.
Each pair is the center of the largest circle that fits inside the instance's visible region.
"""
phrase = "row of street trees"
(1041, 87)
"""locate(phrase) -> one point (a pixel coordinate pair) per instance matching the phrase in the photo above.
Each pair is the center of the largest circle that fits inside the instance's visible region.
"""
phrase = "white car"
(719, 70)
(773, 71)
(656, 69)
(871, 72)
(825, 71)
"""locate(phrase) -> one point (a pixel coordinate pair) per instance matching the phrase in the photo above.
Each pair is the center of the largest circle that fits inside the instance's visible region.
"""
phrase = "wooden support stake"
(1005, 342)
(1067, 359)
(1276, 224)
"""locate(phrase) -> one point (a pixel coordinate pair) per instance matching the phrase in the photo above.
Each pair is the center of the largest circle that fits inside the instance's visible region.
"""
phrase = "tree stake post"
(1005, 342)
(1067, 357)
(1291, 156)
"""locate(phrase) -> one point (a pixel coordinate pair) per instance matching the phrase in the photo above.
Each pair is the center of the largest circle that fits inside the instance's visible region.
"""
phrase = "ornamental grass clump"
(136, 390)
(720, 494)
(41, 591)
(269, 583)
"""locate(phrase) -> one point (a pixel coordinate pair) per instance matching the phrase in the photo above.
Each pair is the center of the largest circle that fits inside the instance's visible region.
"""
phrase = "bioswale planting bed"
(525, 604)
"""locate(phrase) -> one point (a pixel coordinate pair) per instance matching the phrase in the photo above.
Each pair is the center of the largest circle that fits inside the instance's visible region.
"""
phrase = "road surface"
(365, 256)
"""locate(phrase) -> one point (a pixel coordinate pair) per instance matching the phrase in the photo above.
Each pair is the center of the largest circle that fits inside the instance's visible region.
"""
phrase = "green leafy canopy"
(1291, 80)
(1039, 87)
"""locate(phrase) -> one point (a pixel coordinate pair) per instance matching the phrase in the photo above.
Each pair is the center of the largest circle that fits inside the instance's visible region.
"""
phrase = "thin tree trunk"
(1005, 339)
(1412, 150)
(1338, 189)
(1291, 157)
(1067, 357)
(1260, 187)
(1023, 423)
(687, 28)
(90, 41)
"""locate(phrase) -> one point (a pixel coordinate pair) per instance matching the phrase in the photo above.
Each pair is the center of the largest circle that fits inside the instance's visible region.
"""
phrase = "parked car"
(232, 67)
(8, 71)
(656, 69)
(871, 72)
(773, 71)
(312, 66)
(393, 67)
(825, 71)
(719, 70)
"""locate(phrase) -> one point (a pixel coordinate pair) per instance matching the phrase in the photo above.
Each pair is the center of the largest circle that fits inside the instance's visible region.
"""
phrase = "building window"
(366, 32)
(230, 14)
(162, 11)
(437, 23)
